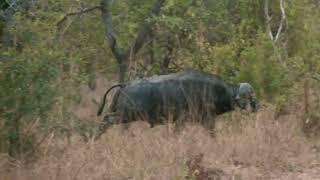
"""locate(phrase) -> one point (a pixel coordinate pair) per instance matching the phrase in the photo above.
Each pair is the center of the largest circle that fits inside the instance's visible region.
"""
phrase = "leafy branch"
(82, 11)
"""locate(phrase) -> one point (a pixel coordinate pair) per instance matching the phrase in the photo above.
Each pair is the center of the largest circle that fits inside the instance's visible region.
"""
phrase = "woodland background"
(57, 57)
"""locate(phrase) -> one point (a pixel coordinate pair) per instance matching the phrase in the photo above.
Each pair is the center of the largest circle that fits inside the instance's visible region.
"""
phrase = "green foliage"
(27, 93)
(305, 37)
(223, 60)
(48, 64)
(262, 67)
(26, 87)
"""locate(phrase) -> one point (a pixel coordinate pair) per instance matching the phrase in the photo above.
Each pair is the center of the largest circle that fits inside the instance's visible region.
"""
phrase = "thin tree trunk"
(167, 59)
(123, 68)
(122, 56)
(7, 36)
(306, 96)
(275, 37)
(13, 127)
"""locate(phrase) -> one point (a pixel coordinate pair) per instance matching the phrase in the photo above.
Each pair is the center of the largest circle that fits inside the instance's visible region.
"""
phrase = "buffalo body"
(174, 95)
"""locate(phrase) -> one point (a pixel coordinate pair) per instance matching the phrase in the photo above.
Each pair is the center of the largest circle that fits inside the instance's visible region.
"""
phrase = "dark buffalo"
(180, 94)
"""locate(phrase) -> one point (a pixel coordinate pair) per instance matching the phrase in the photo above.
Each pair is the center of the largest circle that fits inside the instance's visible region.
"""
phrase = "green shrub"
(27, 92)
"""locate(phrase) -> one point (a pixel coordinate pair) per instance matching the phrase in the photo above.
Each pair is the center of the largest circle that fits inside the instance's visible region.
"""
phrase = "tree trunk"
(123, 67)
(13, 126)
(7, 36)
(167, 58)
(122, 56)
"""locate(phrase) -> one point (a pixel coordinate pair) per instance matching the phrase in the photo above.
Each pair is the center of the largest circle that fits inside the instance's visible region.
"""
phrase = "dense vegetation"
(51, 47)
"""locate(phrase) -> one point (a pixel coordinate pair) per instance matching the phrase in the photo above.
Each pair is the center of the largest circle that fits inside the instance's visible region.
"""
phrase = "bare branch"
(268, 19)
(283, 19)
(85, 10)
(123, 56)
(145, 29)
(111, 37)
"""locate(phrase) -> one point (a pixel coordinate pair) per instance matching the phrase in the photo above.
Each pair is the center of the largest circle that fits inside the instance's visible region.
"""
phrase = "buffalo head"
(244, 97)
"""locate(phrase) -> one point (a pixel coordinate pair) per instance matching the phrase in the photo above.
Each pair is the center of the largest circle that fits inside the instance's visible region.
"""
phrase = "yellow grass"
(246, 147)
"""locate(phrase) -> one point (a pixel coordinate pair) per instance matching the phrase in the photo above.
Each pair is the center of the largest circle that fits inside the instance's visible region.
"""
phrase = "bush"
(27, 92)
(263, 68)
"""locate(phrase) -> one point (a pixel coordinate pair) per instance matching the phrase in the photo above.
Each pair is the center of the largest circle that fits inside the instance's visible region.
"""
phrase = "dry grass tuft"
(251, 146)
(265, 145)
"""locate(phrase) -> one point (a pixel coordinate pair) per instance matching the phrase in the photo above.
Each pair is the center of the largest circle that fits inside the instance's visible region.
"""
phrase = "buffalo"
(176, 95)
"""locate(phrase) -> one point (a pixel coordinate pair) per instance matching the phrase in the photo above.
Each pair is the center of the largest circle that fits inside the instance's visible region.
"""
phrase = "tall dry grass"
(264, 145)
(254, 146)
